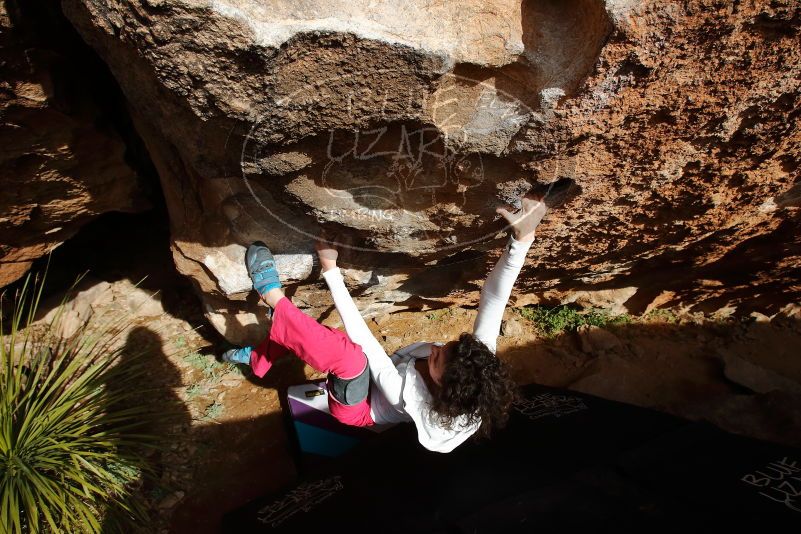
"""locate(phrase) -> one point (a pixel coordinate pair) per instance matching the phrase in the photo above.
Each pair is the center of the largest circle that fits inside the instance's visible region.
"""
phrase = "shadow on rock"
(743, 376)
(201, 470)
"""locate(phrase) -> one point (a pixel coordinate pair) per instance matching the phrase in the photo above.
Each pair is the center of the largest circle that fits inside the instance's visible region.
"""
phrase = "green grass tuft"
(661, 315)
(213, 410)
(551, 322)
(194, 390)
(439, 314)
(212, 369)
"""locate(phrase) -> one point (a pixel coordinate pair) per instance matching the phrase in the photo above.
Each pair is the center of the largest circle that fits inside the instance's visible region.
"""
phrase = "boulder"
(512, 327)
(596, 339)
(92, 299)
(70, 312)
(61, 162)
(403, 125)
(755, 377)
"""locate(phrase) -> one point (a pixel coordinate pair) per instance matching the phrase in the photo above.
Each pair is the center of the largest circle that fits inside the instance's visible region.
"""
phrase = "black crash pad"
(566, 460)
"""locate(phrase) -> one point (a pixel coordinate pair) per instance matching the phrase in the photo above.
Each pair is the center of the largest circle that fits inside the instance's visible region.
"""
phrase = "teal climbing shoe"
(240, 356)
(261, 268)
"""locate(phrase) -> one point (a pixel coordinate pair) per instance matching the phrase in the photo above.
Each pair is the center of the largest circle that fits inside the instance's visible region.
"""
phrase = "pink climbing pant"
(326, 349)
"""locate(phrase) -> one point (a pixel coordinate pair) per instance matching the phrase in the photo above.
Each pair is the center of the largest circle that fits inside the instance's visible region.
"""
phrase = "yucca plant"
(73, 430)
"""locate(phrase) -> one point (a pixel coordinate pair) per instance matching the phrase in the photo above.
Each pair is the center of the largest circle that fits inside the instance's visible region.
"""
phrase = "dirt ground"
(226, 436)
(241, 450)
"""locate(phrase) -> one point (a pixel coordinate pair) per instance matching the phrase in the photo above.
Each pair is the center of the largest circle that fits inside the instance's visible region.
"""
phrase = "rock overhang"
(623, 115)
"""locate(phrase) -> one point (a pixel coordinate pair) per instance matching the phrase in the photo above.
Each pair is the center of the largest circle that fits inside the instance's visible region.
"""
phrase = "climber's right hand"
(328, 254)
(524, 221)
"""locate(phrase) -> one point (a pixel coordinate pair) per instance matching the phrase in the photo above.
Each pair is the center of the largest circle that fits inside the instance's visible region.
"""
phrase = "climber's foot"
(262, 270)
(240, 356)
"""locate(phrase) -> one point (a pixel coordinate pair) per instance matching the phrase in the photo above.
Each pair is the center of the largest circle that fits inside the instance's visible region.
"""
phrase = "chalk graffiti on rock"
(301, 499)
(549, 405)
(779, 481)
(405, 159)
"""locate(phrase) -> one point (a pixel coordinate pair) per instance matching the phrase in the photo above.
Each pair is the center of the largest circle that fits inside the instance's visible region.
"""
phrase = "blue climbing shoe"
(261, 268)
(241, 356)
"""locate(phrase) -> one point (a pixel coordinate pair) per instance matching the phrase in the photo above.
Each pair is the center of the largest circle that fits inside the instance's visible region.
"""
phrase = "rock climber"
(449, 391)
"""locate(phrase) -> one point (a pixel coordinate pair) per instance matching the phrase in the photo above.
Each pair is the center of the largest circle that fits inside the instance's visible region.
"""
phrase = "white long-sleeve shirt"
(397, 392)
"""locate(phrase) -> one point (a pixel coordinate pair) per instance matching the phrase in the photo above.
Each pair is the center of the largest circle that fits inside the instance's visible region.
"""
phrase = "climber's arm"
(382, 370)
(499, 283)
(496, 291)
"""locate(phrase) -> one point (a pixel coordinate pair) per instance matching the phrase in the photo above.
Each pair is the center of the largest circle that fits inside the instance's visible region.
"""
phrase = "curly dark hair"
(476, 384)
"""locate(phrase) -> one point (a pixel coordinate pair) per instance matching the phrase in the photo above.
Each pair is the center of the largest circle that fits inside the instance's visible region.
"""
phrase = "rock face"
(402, 125)
(60, 164)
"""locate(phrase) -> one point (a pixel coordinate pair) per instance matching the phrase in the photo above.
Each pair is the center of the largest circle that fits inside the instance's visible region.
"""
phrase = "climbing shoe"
(240, 356)
(261, 268)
